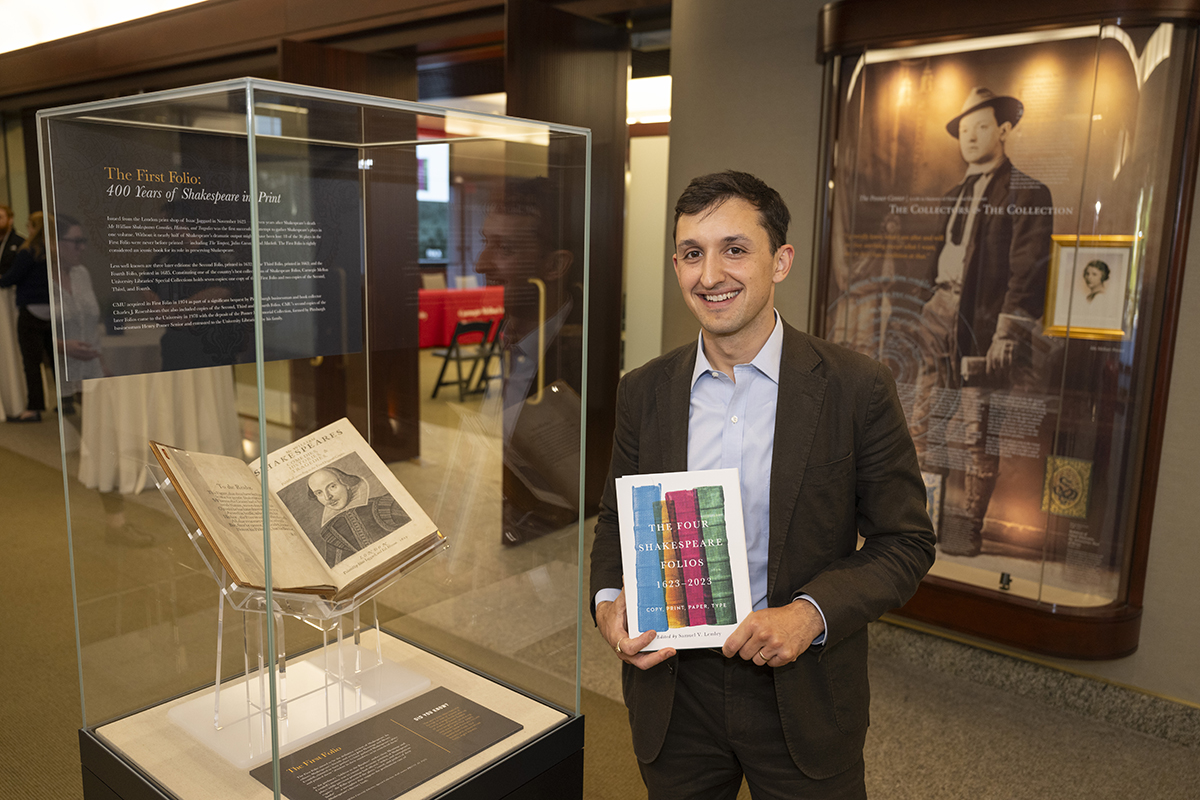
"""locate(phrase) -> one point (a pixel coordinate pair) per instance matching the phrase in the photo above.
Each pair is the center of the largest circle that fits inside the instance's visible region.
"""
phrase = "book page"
(225, 495)
(354, 515)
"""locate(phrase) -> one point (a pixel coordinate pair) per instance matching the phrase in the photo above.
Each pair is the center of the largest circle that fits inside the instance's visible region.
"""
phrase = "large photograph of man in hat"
(988, 278)
(990, 237)
(954, 171)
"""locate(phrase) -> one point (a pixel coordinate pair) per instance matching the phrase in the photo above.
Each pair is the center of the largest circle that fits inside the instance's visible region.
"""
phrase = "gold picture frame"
(1078, 309)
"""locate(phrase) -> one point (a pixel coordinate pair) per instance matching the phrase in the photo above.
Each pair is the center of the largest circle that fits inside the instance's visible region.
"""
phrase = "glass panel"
(467, 400)
(1104, 288)
(974, 184)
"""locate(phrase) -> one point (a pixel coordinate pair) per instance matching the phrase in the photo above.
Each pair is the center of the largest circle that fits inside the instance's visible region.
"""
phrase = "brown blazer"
(843, 465)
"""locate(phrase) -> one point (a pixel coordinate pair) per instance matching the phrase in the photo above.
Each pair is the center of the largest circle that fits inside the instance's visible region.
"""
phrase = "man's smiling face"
(727, 271)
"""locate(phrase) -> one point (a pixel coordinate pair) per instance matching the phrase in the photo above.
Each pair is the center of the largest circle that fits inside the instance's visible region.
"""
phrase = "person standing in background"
(34, 332)
(10, 240)
(12, 382)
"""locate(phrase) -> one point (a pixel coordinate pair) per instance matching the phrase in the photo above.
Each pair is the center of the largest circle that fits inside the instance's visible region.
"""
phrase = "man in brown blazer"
(824, 456)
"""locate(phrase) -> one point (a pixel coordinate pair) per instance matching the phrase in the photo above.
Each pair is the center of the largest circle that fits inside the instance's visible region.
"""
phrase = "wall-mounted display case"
(1003, 222)
(391, 606)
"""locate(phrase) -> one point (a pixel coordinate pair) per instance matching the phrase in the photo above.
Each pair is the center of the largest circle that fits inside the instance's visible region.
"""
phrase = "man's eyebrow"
(736, 237)
(731, 239)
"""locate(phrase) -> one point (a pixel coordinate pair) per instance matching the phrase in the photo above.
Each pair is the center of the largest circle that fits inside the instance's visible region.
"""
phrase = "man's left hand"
(775, 636)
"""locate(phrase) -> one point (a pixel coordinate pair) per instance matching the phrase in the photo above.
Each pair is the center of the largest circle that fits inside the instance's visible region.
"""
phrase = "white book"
(683, 554)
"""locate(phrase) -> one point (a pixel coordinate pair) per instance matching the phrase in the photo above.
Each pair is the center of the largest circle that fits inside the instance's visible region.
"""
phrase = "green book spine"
(710, 501)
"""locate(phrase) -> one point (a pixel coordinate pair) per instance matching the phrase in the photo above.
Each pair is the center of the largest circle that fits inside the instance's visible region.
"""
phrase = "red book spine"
(685, 519)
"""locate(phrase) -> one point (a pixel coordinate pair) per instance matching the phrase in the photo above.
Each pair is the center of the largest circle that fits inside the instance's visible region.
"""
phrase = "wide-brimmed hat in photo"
(1008, 109)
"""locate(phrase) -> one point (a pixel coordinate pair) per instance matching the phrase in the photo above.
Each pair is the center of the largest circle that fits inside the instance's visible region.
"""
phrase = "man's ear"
(556, 264)
(1005, 129)
(783, 262)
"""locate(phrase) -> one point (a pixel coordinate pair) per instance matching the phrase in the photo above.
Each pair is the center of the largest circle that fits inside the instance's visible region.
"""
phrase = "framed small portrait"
(1087, 286)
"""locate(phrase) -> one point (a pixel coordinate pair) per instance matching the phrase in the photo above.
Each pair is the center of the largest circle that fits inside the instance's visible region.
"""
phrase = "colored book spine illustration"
(710, 502)
(688, 527)
(652, 606)
(677, 616)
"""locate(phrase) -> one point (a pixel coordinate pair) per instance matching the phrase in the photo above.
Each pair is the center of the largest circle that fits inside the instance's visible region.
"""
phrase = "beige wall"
(747, 95)
(645, 196)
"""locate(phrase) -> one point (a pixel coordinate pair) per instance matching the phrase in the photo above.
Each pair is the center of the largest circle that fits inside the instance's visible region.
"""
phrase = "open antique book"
(339, 518)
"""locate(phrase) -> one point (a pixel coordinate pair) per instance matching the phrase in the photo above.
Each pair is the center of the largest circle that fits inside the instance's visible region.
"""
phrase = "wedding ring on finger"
(617, 647)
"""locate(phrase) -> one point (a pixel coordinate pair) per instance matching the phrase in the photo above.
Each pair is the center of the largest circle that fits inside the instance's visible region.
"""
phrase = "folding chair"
(491, 351)
(457, 353)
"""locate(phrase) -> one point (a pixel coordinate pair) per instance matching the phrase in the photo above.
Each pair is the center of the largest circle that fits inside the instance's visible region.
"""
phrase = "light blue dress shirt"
(731, 425)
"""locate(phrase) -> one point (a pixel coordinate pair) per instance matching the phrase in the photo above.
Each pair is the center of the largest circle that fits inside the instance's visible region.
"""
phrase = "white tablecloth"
(194, 409)
(12, 374)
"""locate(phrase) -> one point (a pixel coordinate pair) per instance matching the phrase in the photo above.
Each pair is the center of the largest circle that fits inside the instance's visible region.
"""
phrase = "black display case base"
(550, 767)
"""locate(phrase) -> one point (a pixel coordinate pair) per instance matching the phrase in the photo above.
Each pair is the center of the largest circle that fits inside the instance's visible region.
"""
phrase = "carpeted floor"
(939, 731)
(39, 712)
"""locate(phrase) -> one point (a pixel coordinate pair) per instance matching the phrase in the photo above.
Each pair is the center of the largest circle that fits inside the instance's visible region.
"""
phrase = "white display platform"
(318, 703)
(169, 755)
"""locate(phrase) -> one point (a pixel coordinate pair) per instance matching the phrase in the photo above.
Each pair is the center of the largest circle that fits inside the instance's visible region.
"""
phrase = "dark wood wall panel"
(323, 390)
(566, 69)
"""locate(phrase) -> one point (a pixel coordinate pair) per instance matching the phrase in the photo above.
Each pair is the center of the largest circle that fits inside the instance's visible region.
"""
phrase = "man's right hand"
(610, 619)
(1000, 354)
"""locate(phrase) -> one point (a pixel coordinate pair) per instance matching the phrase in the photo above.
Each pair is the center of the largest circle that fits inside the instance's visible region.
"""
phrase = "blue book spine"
(652, 603)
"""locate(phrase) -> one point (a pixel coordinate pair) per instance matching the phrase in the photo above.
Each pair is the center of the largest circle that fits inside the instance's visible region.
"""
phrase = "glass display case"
(1001, 227)
(350, 564)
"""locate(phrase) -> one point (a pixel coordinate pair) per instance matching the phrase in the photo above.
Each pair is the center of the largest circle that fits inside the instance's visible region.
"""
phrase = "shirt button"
(734, 418)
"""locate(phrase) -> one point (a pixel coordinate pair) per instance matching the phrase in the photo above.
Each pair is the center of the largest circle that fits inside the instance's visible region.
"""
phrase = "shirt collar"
(987, 176)
(767, 361)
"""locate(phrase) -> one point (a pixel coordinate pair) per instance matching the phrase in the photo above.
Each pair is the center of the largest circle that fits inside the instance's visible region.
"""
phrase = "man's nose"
(483, 264)
(712, 272)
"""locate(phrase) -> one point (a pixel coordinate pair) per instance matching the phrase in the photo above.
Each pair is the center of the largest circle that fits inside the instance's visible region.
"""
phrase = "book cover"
(683, 548)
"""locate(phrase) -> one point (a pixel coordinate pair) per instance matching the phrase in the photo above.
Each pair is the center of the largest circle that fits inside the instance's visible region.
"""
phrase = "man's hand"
(775, 636)
(610, 619)
(1000, 354)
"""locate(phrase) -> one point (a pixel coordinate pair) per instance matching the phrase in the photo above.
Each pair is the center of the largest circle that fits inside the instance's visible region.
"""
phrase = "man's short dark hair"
(710, 191)
(1100, 265)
